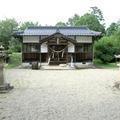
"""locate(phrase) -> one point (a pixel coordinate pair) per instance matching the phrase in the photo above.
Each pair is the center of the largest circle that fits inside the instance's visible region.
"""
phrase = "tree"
(105, 49)
(72, 21)
(112, 29)
(97, 12)
(91, 21)
(6, 30)
(27, 24)
(94, 20)
(61, 24)
(15, 45)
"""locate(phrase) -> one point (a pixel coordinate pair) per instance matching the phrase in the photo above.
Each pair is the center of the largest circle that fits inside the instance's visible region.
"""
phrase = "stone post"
(1, 74)
(4, 87)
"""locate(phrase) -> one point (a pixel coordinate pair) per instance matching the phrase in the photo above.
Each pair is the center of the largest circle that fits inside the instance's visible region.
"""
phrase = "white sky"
(49, 12)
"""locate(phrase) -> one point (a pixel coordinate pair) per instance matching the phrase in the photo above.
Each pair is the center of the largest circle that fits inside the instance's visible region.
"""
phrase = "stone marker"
(4, 87)
(1, 74)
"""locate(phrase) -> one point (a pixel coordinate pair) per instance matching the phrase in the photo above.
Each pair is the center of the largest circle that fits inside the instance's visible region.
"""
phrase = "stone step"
(56, 67)
(5, 88)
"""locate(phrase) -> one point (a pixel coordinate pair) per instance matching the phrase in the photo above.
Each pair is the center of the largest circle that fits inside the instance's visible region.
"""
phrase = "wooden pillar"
(22, 50)
(92, 50)
(40, 49)
(67, 52)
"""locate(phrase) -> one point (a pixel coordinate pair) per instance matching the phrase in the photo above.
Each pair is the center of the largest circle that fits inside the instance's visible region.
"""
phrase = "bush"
(15, 60)
(106, 48)
(15, 45)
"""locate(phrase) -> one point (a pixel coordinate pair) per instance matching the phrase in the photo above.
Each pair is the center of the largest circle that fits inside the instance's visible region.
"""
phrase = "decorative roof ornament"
(57, 30)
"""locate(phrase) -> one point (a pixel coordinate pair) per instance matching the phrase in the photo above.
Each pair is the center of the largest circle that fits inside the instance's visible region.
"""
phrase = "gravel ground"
(61, 95)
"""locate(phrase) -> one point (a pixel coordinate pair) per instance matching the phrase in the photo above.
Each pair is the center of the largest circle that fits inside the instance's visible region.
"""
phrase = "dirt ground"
(61, 95)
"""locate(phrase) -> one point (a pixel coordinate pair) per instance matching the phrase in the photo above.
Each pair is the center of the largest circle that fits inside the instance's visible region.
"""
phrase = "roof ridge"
(59, 27)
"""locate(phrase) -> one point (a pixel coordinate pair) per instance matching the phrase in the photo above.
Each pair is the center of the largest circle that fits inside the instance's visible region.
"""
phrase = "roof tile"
(49, 30)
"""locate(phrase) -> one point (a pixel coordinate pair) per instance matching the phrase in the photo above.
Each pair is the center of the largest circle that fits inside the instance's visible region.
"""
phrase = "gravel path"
(61, 95)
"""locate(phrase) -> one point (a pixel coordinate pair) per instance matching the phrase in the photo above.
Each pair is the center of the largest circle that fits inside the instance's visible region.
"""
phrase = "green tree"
(91, 21)
(105, 50)
(27, 24)
(72, 21)
(94, 20)
(15, 45)
(97, 12)
(112, 28)
(107, 47)
(6, 30)
(61, 24)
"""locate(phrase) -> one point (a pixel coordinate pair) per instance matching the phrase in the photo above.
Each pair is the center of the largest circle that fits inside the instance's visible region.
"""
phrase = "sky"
(49, 12)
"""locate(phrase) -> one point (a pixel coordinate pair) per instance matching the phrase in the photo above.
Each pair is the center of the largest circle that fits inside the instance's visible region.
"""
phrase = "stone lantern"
(117, 60)
(4, 87)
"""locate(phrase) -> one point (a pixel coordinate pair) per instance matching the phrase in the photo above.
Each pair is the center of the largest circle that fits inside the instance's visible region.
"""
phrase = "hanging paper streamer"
(53, 55)
(63, 54)
(48, 60)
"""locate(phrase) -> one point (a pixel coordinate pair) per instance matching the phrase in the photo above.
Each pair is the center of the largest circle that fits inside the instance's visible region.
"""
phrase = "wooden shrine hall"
(58, 45)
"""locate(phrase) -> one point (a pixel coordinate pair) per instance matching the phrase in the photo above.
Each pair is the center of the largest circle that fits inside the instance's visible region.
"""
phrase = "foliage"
(104, 50)
(91, 21)
(112, 28)
(27, 24)
(72, 21)
(6, 29)
(107, 47)
(61, 24)
(102, 65)
(97, 13)
(15, 60)
(94, 20)
(15, 45)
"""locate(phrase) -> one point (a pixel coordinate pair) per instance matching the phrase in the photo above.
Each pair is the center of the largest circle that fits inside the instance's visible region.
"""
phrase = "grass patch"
(100, 64)
(15, 60)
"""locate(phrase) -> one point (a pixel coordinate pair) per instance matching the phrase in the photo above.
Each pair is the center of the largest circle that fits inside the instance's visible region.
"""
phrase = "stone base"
(5, 88)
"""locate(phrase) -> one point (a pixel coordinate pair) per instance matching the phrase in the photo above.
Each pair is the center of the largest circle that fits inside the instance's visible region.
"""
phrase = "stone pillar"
(1, 74)
(4, 87)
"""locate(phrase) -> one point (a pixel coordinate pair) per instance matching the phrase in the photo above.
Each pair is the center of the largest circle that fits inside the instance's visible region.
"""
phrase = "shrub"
(106, 48)
(15, 60)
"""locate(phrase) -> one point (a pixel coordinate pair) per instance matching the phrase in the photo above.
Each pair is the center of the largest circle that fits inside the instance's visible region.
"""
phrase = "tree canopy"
(72, 21)
(27, 24)
(97, 13)
(113, 28)
(93, 19)
(61, 24)
(107, 47)
(6, 29)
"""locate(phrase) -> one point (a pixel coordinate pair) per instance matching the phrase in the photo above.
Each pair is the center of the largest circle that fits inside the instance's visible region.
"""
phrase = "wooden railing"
(29, 57)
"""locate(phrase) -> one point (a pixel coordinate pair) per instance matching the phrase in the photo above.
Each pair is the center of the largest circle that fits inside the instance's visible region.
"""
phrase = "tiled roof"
(63, 30)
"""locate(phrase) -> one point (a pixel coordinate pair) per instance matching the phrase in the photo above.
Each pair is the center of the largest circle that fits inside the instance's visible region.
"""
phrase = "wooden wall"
(30, 39)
